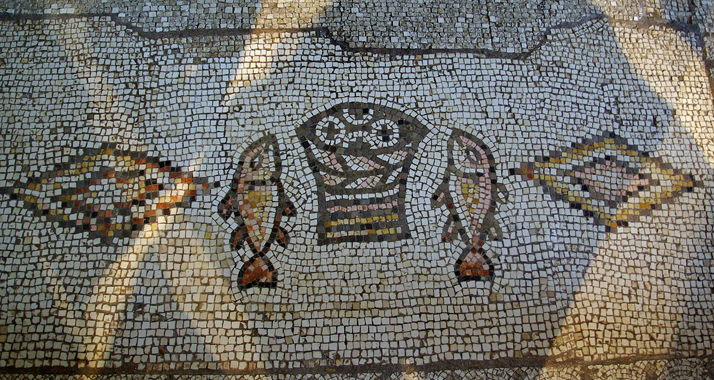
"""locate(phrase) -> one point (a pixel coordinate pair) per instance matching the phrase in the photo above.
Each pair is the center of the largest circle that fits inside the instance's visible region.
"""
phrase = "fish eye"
(476, 164)
(474, 157)
(471, 161)
(256, 162)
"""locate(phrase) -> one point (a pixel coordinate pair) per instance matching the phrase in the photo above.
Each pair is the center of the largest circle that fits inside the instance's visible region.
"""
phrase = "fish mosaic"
(469, 191)
(317, 190)
(257, 202)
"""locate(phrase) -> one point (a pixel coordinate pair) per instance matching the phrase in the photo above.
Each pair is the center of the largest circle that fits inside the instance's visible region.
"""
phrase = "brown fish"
(469, 193)
(258, 203)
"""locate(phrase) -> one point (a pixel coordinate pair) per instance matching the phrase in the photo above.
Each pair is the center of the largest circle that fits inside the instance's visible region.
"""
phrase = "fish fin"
(449, 229)
(288, 208)
(258, 271)
(490, 229)
(441, 196)
(238, 236)
(227, 206)
(473, 265)
(281, 237)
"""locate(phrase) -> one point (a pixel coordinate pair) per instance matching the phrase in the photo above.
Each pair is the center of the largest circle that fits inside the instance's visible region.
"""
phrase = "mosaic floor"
(356, 190)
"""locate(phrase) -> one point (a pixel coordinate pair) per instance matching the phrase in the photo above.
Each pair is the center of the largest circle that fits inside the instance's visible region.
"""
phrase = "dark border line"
(326, 33)
(682, 27)
(453, 365)
(183, 33)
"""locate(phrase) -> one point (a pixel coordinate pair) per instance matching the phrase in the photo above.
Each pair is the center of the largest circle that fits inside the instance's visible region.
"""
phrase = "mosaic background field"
(356, 190)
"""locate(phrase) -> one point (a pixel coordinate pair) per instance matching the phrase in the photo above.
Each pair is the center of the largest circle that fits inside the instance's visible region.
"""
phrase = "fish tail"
(258, 271)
